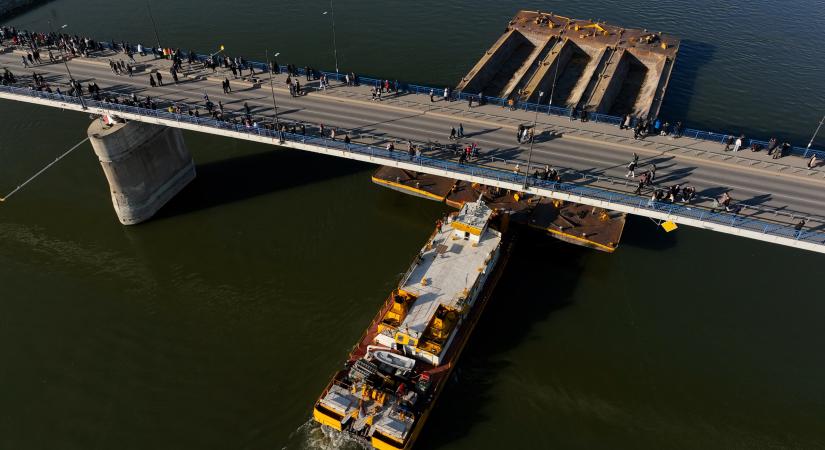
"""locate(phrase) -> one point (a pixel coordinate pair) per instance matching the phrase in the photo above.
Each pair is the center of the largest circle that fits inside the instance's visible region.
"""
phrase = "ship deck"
(449, 267)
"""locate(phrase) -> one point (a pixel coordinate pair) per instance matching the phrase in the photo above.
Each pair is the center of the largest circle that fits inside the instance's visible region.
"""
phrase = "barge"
(577, 224)
(395, 373)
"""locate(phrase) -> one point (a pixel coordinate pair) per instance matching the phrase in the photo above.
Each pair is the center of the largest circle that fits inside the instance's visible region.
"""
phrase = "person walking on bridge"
(631, 170)
(728, 143)
(625, 125)
(152, 81)
(737, 144)
(642, 182)
(460, 130)
(724, 200)
(160, 79)
(772, 143)
(781, 150)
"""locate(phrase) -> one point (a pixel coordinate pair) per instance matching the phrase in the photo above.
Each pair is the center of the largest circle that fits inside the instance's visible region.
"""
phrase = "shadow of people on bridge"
(521, 300)
(713, 192)
(503, 153)
(757, 200)
(546, 136)
(480, 132)
(242, 177)
(675, 176)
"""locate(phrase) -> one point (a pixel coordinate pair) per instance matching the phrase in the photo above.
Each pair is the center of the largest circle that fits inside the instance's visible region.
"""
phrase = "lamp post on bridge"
(272, 88)
(66, 64)
(555, 76)
(334, 44)
(815, 133)
(532, 139)
(154, 26)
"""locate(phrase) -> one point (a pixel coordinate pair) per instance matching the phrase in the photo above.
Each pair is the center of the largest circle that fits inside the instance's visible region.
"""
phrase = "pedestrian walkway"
(547, 123)
(410, 116)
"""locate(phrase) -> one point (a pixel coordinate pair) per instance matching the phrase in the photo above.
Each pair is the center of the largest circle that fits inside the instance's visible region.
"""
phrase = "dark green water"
(217, 325)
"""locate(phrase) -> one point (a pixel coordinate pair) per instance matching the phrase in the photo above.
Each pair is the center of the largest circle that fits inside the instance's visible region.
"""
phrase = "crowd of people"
(383, 87)
(774, 149)
(679, 192)
(39, 44)
(643, 127)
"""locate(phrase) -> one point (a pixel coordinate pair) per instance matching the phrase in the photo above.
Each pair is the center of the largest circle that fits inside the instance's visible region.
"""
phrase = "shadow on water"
(644, 233)
(693, 55)
(515, 306)
(243, 177)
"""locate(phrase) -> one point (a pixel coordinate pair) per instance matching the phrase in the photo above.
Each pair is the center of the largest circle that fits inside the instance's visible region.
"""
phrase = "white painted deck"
(451, 266)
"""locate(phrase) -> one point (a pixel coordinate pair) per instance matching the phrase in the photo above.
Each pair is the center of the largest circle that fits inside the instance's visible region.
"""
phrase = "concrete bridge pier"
(145, 164)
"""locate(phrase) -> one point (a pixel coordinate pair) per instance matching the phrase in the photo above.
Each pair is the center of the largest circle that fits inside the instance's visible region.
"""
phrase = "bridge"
(775, 200)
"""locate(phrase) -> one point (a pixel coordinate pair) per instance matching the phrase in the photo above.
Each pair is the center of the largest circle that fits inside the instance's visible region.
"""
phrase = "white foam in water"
(312, 436)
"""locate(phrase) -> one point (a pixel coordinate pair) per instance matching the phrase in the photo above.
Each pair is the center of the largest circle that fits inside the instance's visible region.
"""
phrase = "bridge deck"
(780, 191)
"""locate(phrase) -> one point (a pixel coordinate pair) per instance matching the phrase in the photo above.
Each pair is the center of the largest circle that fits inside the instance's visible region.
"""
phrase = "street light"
(154, 26)
(815, 133)
(272, 87)
(334, 44)
(63, 57)
(555, 76)
(532, 139)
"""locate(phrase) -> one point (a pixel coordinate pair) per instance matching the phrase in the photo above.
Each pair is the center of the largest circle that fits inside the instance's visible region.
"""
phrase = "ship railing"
(491, 175)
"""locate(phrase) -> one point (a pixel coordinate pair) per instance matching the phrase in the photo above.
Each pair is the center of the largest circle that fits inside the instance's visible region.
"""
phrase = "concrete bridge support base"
(145, 164)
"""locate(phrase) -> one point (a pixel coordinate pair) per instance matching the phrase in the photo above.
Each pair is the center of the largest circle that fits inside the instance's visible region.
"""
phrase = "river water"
(216, 325)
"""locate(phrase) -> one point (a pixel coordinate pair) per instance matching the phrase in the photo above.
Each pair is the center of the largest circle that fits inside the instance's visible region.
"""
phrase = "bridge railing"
(527, 106)
(490, 174)
(554, 110)
(454, 150)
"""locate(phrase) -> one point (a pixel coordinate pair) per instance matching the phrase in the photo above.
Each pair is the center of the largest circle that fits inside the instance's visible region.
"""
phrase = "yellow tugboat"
(397, 370)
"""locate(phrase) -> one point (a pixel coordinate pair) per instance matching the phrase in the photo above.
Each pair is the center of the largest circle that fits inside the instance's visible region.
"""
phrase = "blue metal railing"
(489, 174)
(553, 110)
(547, 109)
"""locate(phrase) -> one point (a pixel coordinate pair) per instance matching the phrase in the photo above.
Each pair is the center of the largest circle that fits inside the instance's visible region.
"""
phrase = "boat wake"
(312, 436)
